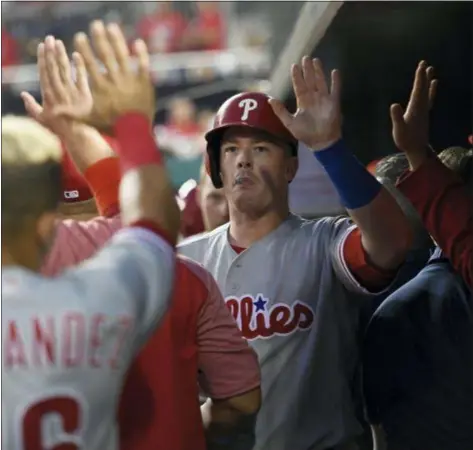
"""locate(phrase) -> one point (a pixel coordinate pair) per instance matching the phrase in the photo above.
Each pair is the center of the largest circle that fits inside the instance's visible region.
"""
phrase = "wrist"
(76, 132)
(321, 146)
(137, 146)
(418, 157)
(354, 184)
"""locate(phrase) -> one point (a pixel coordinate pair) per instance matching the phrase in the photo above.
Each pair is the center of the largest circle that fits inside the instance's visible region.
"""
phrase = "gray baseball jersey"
(289, 293)
(68, 341)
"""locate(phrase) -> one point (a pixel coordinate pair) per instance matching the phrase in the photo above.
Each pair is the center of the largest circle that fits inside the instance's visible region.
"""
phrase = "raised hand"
(59, 89)
(411, 127)
(317, 121)
(118, 88)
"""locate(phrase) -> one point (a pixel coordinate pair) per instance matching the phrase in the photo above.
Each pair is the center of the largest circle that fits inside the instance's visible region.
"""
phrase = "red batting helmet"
(249, 109)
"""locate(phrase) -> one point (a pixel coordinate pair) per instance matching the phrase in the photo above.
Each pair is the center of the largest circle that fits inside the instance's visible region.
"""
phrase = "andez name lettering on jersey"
(248, 105)
(68, 341)
(258, 320)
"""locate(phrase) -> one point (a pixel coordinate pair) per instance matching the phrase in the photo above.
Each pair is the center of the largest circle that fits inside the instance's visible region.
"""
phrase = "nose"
(245, 159)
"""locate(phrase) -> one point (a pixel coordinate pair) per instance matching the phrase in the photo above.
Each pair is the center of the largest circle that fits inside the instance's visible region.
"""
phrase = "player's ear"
(46, 226)
(291, 168)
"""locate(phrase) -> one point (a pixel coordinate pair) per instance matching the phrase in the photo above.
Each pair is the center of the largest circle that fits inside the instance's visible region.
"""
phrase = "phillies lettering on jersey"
(256, 319)
(303, 328)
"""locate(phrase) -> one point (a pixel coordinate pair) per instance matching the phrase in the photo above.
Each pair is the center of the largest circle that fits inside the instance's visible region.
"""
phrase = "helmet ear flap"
(212, 166)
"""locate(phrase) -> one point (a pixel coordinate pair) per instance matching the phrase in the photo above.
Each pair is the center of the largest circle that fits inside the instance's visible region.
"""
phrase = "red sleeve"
(103, 178)
(445, 207)
(229, 365)
(365, 272)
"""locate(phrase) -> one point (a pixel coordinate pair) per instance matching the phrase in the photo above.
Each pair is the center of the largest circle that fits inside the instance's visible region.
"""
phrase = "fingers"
(419, 89)
(141, 52)
(299, 85)
(397, 114)
(308, 71)
(104, 48)
(64, 65)
(432, 92)
(52, 67)
(321, 83)
(45, 87)
(336, 85)
(280, 110)
(82, 46)
(82, 81)
(33, 108)
(119, 46)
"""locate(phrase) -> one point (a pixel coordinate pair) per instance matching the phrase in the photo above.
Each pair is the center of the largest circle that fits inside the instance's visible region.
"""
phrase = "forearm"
(146, 193)
(444, 206)
(385, 231)
(86, 146)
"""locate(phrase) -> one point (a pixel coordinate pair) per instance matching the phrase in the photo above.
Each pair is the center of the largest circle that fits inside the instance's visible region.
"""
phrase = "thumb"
(33, 108)
(397, 114)
(280, 110)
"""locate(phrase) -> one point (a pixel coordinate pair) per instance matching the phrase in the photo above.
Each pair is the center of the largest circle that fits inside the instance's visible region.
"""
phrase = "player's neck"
(246, 230)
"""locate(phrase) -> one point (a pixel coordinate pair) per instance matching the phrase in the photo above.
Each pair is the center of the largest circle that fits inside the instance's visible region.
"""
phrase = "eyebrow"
(255, 141)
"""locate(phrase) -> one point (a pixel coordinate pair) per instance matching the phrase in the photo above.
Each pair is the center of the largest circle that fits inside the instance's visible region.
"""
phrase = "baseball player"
(159, 405)
(67, 342)
(286, 280)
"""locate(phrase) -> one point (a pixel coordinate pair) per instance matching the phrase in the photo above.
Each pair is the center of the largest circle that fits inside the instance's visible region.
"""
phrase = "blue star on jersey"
(260, 303)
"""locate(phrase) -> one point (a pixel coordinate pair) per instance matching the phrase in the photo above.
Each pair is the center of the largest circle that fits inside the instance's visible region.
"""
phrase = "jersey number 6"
(53, 423)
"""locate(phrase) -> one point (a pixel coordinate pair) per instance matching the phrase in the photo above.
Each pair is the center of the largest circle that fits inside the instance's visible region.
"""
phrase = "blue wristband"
(354, 184)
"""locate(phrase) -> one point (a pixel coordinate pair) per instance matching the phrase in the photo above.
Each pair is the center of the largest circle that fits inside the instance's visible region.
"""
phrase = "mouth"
(243, 181)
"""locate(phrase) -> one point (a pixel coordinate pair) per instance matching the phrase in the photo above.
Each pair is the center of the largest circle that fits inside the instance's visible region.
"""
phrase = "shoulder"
(326, 228)
(195, 246)
(193, 271)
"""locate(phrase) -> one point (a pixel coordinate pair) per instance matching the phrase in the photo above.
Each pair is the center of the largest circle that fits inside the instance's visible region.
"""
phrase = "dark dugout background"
(377, 46)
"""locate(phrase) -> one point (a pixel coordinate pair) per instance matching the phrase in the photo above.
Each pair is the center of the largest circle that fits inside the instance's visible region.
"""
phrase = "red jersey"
(160, 402)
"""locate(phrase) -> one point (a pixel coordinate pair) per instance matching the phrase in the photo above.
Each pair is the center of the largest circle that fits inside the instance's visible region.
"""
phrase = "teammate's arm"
(385, 233)
(229, 368)
(444, 205)
(138, 265)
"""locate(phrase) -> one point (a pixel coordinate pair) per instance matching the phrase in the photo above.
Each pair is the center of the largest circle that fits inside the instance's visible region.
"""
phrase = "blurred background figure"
(181, 131)
(204, 207)
(162, 27)
(207, 30)
(212, 202)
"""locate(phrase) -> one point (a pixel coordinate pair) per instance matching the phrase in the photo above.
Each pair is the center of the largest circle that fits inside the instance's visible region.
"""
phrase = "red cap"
(249, 109)
(191, 216)
(75, 186)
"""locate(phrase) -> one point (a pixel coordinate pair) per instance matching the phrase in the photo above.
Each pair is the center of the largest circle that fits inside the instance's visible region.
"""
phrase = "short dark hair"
(391, 167)
(387, 171)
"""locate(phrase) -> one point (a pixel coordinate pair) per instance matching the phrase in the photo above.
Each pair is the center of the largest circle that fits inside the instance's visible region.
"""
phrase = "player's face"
(213, 204)
(255, 170)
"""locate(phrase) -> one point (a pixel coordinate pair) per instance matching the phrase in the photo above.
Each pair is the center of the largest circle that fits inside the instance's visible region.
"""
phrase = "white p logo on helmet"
(248, 105)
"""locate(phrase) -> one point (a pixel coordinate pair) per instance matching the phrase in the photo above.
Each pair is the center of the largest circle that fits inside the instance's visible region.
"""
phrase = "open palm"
(61, 92)
(317, 121)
